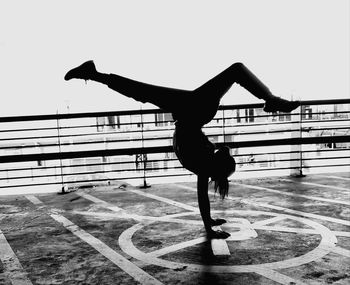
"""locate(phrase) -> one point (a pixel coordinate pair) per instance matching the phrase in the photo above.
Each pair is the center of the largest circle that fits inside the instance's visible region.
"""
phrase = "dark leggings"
(183, 104)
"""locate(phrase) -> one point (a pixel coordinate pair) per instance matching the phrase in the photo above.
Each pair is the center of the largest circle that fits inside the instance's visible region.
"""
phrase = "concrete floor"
(283, 231)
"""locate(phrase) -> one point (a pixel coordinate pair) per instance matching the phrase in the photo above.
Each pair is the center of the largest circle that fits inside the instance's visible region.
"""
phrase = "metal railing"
(77, 150)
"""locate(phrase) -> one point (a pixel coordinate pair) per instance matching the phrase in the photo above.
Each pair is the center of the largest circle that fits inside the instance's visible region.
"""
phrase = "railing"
(71, 150)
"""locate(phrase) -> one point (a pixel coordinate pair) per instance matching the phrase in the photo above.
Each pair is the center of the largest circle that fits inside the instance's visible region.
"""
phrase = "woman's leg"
(213, 90)
(203, 101)
(169, 99)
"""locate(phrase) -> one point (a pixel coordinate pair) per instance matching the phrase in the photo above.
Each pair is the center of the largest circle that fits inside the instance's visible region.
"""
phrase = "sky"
(298, 48)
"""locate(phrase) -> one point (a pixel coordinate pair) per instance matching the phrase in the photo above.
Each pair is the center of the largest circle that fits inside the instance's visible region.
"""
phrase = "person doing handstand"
(191, 110)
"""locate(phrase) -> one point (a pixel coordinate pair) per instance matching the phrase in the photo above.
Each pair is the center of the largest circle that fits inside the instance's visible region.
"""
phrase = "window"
(100, 122)
(163, 119)
(249, 115)
(111, 122)
(306, 112)
(107, 122)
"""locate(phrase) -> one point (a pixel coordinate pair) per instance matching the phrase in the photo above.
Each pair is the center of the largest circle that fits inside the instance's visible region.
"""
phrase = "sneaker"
(83, 71)
(278, 104)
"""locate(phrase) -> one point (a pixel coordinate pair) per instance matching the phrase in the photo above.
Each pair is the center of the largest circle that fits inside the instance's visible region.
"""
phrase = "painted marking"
(342, 234)
(101, 202)
(341, 251)
(166, 200)
(278, 277)
(176, 247)
(337, 177)
(268, 221)
(137, 273)
(13, 269)
(245, 232)
(287, 230)
(293, 194)
(299, 213)
(327, 243)
(219, 246)
(278, 208)
(316, 184)
(33, 199)
(140, 218)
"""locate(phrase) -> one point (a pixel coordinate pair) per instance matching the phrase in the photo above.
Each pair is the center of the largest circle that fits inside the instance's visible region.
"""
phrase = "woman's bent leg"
(212, 91)
(236, 73)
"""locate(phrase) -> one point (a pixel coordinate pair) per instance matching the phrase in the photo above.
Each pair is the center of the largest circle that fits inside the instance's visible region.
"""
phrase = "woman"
(191, 110)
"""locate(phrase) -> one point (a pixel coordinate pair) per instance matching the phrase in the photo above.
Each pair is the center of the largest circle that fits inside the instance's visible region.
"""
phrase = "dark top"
(193, 149)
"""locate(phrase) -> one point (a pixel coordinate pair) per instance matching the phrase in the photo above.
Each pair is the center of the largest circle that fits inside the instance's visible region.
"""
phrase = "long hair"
(221, 185)
(226, 165)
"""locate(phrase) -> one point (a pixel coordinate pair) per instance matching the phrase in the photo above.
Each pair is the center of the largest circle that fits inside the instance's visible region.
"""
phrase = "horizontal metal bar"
(162, 149)
(150, 111)
(325, 102)
(82, 165)
(286, 141)
(287, 168)
(102, 136)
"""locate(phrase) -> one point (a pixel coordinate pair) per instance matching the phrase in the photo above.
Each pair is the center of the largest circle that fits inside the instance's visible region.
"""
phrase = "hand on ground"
(217, 235)
(217, 222)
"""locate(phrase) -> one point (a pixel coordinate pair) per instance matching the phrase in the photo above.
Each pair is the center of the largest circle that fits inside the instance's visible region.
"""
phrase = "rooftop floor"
(283, 231)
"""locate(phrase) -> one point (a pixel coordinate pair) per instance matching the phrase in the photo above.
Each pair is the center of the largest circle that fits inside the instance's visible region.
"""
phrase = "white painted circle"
(327, 243)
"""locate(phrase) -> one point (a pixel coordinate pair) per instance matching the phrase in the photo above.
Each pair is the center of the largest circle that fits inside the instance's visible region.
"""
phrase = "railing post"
(144, 160)
(296, 155)
(59, 149)
(223, 125)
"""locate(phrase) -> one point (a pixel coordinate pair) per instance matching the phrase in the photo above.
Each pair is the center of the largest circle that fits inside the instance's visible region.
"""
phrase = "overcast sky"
(299, 48)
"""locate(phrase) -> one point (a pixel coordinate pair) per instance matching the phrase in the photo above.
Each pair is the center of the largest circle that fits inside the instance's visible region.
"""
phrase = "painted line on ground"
(166, 200)
(341, 251)
(287, 230)
(295, 230)
(268, 221)
(34, 200)
(278, 208)
(337, 177)
(341, 234)
(219, 246)
(176, 247)
(100, 202)
(327, 242)
(123, 213)
(315, 184)
(293, 194)
(127, 266)
(13, 269)
(278, 277)
(299, 213)
(172, 219)
(168, 218)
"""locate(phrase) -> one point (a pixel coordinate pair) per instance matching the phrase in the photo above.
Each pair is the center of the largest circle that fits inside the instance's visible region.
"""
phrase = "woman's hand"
(217, 222)
(217, 234)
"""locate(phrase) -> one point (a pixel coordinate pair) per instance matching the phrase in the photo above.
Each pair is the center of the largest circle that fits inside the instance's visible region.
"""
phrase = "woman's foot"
(275, 104)
(85, 71)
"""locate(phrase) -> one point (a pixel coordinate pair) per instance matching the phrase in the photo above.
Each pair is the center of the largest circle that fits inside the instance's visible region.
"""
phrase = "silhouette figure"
(191, 110)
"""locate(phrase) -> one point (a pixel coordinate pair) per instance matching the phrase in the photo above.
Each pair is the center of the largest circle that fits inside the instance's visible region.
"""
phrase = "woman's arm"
(204, 209)
(203, 201)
